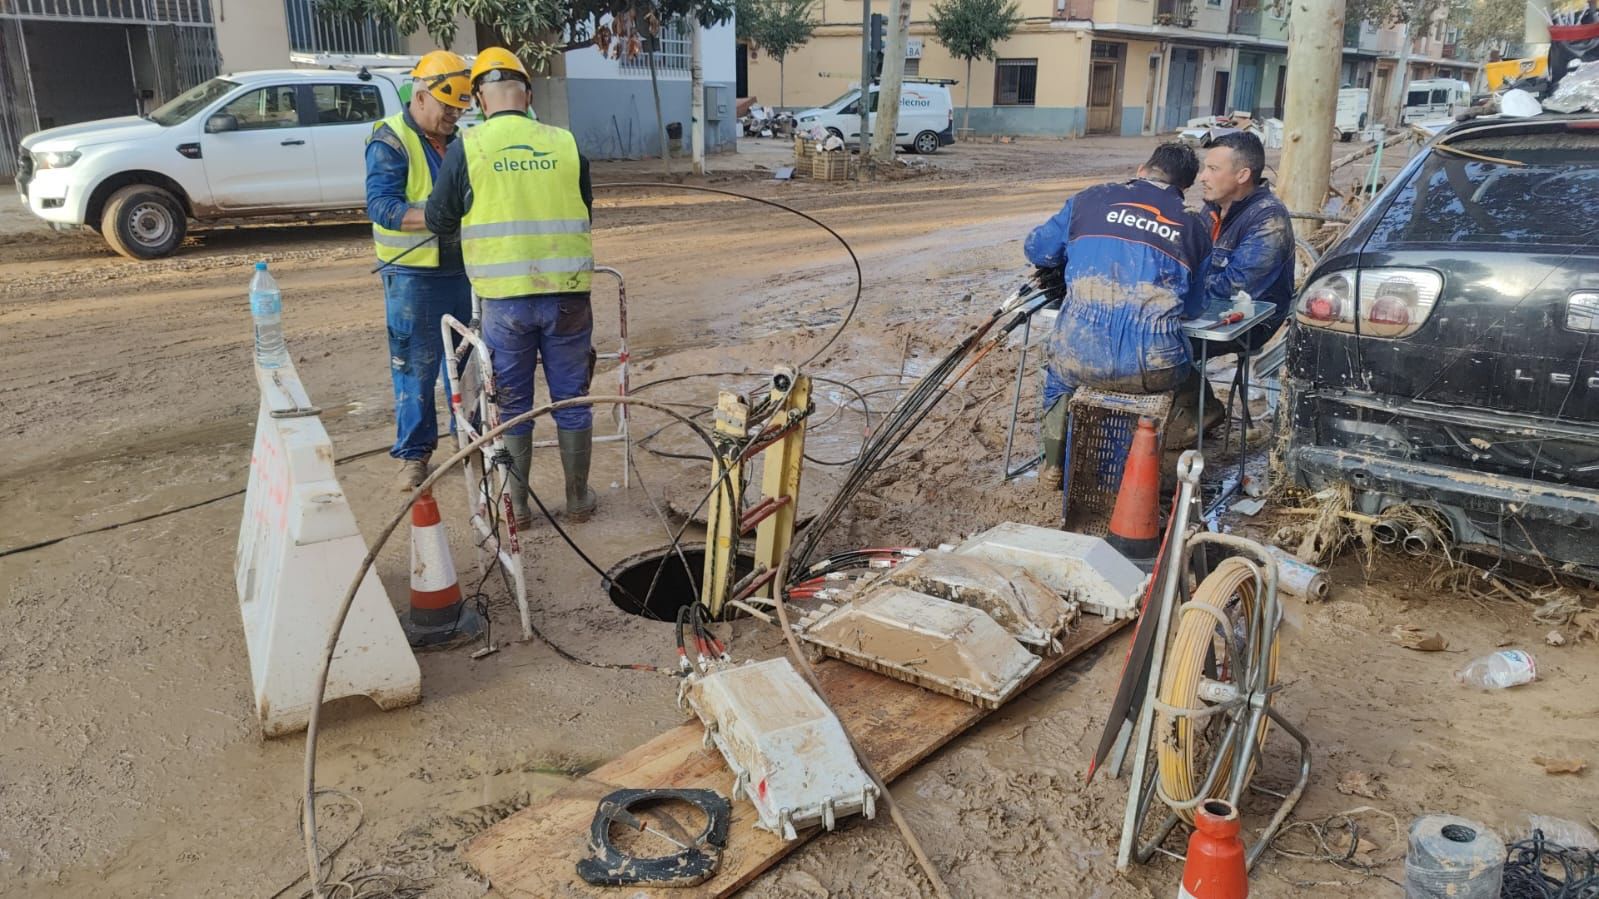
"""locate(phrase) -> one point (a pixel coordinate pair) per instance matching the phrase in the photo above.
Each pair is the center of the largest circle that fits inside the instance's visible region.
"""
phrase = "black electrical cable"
(1538, 869)
(860, 280)
(29, 547)
(336, 626)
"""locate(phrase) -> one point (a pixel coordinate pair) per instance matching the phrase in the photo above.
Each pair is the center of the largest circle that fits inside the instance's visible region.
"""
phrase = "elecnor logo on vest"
(537, 163)
(1160, 224)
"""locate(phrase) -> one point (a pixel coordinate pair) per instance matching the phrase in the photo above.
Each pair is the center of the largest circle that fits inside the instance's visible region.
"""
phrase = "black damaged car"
(1445, 351)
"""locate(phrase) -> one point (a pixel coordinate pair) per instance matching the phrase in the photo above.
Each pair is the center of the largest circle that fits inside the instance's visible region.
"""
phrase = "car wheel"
(836, 133)
(1347, 136)
(927, 142)
(142, 221)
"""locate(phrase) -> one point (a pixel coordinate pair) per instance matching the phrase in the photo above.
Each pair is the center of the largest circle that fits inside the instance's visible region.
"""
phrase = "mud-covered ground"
(132, 761)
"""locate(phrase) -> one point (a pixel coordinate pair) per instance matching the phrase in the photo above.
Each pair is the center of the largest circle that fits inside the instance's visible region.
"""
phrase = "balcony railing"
(1080, 10)
(1352, 35)
(1177, 13)
(1450, 50)
(1246, 21)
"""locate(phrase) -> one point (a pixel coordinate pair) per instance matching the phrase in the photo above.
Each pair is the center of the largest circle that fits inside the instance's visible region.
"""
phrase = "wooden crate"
(803, 151)
(830, 166)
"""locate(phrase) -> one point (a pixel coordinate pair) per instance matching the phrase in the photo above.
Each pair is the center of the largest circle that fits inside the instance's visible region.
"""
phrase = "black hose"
(855, 301)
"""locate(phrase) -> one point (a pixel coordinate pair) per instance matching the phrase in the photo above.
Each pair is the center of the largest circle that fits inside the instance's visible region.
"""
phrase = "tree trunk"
(780, 101)
(660, 119)
(1315, 52)
(966, 117)
(886, 131)
(697, 100)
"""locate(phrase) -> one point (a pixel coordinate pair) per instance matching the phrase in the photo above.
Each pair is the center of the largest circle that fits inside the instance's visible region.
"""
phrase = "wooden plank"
(534, 852)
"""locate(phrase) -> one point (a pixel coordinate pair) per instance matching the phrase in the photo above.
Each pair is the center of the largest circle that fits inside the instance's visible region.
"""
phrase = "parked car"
(250, 144)
(1445, 351)
(926, 116)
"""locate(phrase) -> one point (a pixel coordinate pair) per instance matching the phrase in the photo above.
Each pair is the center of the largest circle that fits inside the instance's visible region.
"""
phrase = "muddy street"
(134, 767)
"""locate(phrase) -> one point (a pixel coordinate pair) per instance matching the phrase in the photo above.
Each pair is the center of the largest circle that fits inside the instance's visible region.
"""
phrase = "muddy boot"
(411, 474)
(1054, 443)
(577, 449)
(521, 452)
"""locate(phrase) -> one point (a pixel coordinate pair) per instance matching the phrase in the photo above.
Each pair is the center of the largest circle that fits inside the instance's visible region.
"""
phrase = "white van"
(1353, 104)
(926, 115)
(1438, 98)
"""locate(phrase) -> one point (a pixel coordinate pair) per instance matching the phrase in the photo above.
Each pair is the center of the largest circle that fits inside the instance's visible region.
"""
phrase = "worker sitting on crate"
(1131, 257)
(519, 191)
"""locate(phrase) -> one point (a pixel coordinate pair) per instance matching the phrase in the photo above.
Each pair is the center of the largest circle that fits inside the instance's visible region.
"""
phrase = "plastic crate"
(1099, 432)
(830, 166)
(803, 150)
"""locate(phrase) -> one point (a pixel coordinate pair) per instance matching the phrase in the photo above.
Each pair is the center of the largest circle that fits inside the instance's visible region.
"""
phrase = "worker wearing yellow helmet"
(519, 192)
(423, 275)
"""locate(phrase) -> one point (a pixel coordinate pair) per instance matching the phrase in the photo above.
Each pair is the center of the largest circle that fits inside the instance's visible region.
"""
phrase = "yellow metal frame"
(780, 477)
(780, 483)
(722, 517)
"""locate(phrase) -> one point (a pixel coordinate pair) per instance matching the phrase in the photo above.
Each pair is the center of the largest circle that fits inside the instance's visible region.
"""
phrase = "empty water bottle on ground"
(1498, 670)
(266, 308)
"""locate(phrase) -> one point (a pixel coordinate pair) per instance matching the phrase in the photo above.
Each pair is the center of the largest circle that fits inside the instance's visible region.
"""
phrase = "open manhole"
(676, 578)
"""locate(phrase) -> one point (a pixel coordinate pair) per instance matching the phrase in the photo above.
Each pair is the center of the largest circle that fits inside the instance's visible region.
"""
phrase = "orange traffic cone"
(1135, 522)
(1215, 867)
(438, 612)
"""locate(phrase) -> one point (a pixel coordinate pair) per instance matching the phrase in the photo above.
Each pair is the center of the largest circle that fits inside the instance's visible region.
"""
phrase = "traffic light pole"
(866, 90)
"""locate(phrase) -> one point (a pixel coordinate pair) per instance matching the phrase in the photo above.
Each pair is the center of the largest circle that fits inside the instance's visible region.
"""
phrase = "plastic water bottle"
(266, 308)
(1498, 670)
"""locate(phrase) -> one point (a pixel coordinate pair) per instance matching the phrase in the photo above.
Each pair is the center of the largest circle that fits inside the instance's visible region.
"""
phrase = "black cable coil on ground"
(1538, 869)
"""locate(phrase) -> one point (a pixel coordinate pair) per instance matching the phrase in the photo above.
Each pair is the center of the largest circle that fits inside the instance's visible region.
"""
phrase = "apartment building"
(1123, 67)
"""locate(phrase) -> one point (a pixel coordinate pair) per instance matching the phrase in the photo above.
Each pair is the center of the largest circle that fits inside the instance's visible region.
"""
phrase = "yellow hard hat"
(497, 63)
(445, 75)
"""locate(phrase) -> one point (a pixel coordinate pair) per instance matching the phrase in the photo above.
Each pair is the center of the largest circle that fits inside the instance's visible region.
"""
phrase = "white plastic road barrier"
(298, 549)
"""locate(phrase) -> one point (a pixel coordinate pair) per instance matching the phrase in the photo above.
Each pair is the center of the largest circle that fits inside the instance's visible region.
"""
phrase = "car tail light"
(1396, 302)
(1329, 302)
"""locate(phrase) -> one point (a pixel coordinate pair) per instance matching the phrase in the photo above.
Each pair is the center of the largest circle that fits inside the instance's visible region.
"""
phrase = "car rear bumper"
(1495, 513)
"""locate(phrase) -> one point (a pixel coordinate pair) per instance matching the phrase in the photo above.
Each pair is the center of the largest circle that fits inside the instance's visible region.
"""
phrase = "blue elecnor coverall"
(1253, 252)
(519, 331)
(1132, 256)
(415, 300)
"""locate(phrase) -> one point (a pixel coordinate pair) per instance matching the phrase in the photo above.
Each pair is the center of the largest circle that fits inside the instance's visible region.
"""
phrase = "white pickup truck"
(267, 143)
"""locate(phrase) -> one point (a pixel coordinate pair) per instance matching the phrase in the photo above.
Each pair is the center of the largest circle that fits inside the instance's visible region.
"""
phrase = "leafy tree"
(539, 29)
(1496, 24)
(776, 26)
(969, 29)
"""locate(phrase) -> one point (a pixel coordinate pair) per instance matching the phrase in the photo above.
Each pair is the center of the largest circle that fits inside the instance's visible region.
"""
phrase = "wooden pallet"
(534, 852)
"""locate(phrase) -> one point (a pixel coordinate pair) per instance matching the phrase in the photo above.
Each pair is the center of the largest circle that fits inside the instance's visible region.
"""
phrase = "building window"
(313, 31)
(1105, 50)
(913, 68)
(1015, 82)
(671, 51)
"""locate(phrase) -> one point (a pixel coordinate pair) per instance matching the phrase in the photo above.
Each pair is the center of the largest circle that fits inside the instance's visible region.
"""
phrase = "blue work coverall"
(555, 327)
(415, 298)
(1132, 256)
(1253, 251)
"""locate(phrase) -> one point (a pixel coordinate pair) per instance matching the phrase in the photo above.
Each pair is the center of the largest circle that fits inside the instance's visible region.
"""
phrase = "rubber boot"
(1050, 473)
(521, 451)
(577, 450)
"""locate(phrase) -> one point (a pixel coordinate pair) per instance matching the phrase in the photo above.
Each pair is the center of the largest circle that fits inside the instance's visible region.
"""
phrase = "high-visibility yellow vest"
(528, 229)
(392, 245)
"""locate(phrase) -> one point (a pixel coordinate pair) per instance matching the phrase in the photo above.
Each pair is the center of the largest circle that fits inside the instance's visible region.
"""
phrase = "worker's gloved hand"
(1052, 281)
